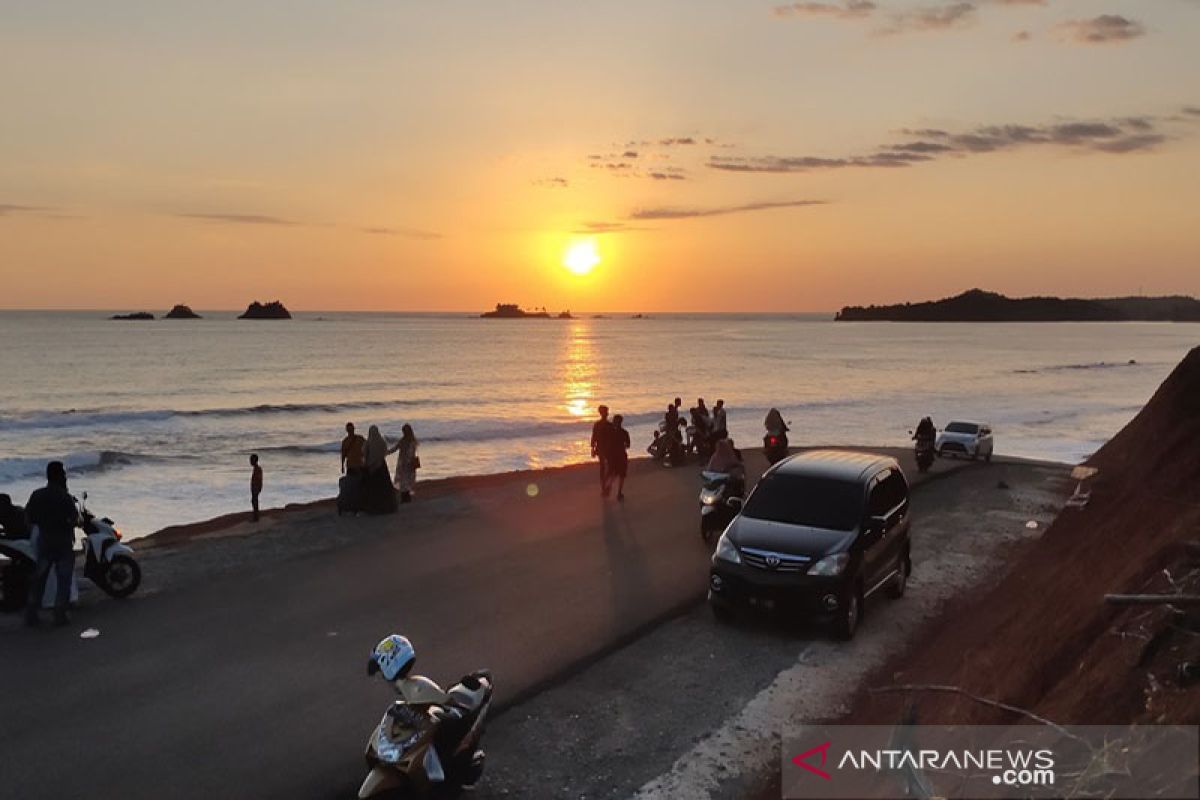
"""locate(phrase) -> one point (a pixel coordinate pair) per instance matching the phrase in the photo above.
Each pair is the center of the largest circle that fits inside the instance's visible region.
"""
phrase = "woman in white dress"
(407, 463)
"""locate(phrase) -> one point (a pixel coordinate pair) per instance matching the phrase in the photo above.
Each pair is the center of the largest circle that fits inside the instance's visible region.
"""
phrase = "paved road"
(254, 684)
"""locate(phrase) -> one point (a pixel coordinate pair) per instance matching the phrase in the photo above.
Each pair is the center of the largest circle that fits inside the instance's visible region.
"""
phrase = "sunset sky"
(719, 154)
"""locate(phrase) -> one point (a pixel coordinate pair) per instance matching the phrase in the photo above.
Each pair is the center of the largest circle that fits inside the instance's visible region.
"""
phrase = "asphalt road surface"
(253, 684)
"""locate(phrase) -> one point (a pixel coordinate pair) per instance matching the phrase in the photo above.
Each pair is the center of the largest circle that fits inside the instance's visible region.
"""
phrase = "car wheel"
(850, 615)
(988, 457)
(900, 581)
(721, 611)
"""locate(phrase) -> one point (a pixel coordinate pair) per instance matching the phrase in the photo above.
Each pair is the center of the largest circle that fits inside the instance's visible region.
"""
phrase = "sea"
(156, 420)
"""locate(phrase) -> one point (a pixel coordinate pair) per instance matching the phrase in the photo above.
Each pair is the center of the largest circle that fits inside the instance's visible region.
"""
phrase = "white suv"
(972, 439)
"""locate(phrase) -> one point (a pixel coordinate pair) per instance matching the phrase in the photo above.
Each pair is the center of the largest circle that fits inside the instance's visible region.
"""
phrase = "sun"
(581, 257)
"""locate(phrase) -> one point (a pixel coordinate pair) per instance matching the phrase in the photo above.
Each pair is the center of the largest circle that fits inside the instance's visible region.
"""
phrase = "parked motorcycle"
(108, 562)
(718, 506)
(429, 739)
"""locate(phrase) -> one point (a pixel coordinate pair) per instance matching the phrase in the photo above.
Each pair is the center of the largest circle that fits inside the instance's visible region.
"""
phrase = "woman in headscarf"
(380, 496)
(727, 459)
(407, 463)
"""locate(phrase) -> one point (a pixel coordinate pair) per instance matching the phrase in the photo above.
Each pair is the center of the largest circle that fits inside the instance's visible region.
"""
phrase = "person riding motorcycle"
(727, 459)
(925, 430)
(774, 423)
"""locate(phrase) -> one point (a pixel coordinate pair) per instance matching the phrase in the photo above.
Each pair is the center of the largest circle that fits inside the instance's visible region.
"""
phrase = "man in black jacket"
(52, 509)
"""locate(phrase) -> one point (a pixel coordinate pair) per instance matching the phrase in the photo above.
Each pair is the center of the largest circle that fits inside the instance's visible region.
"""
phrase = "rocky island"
(513, 311)
(136, 316)
(182, 312)
(978, 305)
(271, 310)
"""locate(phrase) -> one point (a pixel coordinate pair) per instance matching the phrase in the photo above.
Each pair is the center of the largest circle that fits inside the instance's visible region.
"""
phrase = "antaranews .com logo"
(992, 761)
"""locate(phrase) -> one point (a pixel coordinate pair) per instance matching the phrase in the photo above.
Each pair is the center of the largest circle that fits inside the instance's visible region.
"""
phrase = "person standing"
(720, 426)
(52, 509)
(380, 495)
(353, 446)
(407, 463)
(256, 483)
(618, 458)
(601, 436)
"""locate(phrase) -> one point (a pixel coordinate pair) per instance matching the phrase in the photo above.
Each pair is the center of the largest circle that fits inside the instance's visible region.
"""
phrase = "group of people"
(610, 444)
(703, 429)
(366, 461)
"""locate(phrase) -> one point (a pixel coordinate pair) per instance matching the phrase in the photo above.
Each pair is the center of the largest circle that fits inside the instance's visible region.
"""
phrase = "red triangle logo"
(802, 760)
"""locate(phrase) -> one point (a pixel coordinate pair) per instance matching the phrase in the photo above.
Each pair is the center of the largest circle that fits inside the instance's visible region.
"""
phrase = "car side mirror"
(735, 503)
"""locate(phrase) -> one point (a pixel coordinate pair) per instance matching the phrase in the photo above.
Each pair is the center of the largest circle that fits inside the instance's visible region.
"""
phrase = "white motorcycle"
(429, 740)
(108, 562)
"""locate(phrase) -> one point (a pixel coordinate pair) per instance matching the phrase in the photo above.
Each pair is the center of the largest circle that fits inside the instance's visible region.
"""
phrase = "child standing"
(256, 481)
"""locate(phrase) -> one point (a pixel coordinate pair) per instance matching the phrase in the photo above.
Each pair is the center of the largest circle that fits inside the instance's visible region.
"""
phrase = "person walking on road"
(256, 483)
(618, 457)
(601, 437)
(353, 451)
(380, 494)
(52, 509)
(407, 463)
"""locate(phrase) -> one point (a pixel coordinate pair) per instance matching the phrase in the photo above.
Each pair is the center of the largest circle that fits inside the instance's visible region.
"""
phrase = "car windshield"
(962, 427)
(803, 500)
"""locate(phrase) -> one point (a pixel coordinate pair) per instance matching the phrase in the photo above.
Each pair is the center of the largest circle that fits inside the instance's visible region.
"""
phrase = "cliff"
(977, 305)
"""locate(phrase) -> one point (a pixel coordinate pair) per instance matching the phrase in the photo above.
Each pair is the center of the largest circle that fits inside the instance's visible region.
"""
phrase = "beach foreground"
(241, 670)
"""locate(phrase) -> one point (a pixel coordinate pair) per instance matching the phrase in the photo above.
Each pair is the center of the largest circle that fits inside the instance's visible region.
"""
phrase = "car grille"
(776, 562)
(957, 447)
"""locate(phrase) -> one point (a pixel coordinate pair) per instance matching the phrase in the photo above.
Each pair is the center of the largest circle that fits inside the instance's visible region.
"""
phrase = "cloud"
(674, 175)
(629, 154)
(241, 219)
(9, 208)
(1022, 36)
(670, 142)
(1192, 110)
(1104, 29)
(847, 9)
(931, 18)
(608, 227)
(688, 213)
(1121, 135)
(553, 183)
(408, 233)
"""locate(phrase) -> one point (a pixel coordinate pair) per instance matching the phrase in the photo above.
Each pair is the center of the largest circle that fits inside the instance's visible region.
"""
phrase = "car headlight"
(830, 565)
(726, 551)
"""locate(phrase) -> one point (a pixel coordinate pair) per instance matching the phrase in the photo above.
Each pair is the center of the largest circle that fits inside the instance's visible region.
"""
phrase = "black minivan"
(821, 532)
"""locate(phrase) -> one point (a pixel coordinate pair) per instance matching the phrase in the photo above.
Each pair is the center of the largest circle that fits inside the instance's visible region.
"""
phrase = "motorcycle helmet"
(394, 657)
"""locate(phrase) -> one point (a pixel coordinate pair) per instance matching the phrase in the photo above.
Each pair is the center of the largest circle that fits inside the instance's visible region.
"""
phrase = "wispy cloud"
(241, 219)
(225, 218)
(688, 213)
(1121, 135)
(407, 233)
(847, 9)
(7, 209)
(552, 183)
(1104, 29)
(608, 227)
(931, 18)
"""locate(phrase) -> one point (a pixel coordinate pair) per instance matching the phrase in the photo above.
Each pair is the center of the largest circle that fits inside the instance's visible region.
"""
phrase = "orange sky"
(721, 156)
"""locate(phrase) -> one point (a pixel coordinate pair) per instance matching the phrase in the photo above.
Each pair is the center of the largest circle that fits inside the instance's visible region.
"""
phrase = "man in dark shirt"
(353, 452)
(52, 509)
(601, 448)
